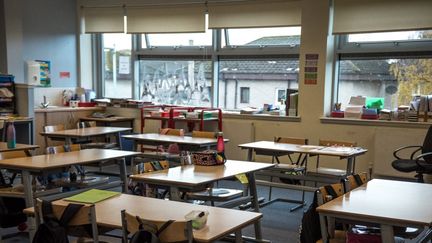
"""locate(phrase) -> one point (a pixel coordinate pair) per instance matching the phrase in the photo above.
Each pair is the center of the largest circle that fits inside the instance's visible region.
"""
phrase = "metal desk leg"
(123, 174)
(255, 204)
(387, 234)
(250, 154)
(238, 236)
(119, 142)
(28, 193)
(350, 169)
(28, 189)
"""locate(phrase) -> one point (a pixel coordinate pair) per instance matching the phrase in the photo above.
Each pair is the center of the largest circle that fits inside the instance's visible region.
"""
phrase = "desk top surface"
(221, 221)
(53, 161)
(309, 149)
(155, 137)
(385, 201)
(86, 132)
(194, 175)
(19, 147)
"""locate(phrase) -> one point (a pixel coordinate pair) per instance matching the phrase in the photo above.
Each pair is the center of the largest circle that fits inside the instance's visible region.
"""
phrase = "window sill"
(265, 117)
(384, 123)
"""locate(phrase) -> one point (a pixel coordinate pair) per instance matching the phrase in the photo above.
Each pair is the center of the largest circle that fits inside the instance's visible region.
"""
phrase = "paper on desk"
(309, 147)
(337, 149)
(357, 100)
(92, 196)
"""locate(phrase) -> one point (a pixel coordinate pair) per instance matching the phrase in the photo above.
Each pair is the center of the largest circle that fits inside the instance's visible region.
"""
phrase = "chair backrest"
(203, 134)
(292, 140)
(427, 145)
(171, 131)
(12, 154)
(54, 128)
(85, 216)
(324, 194)
(354, 181)
(178, 231)
(323, 142)
(145, 167)
(85, 124)
(62, 148)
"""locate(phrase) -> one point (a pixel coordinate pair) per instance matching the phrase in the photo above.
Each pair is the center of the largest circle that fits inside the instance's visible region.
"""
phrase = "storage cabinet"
(7, 95)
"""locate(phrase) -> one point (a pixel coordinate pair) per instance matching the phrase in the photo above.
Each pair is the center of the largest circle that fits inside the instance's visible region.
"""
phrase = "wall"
(49, 31)
(40, 30)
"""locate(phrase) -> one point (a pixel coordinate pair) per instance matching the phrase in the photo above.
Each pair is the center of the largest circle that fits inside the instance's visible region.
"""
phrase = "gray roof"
(276, 40)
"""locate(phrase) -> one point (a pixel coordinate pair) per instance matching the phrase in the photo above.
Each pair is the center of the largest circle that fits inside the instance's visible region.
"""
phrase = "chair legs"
(420, 178)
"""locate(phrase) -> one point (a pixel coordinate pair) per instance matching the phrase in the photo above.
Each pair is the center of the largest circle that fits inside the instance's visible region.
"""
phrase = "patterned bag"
(208, 157)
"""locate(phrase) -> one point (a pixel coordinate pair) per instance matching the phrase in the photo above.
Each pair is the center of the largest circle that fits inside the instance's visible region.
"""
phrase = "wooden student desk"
(347, 153)
(87, 133)
(220, 222)
(19, 147)
(275, 148)
(108, 121)
(194, 176)
(385, 202)
(154, 139)
(41, 164)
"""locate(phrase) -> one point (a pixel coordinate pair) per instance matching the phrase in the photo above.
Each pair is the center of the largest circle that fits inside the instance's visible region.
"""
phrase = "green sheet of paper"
(92, 196)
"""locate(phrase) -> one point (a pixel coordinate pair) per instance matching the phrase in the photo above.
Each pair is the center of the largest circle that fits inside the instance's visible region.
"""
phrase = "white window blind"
(166, 19)
(103, 19)
(250, 14)
(362, 16)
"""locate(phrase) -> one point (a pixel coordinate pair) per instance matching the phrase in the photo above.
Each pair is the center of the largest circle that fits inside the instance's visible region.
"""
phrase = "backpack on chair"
(148, 232)
(53, 230)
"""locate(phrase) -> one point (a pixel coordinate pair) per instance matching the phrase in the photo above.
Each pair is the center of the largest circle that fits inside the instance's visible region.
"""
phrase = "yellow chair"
(203, 134)
(354, 181)
(176, 231)
(326, 194)
(85, 216)
(146, 189)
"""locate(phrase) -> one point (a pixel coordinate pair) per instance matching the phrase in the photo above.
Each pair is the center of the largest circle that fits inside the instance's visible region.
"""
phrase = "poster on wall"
(39, 73)
(311, 69)
(45, 72)
(124, 64)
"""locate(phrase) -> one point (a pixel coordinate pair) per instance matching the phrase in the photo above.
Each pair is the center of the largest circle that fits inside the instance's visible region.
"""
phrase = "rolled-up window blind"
(363, 16)
(166, 19)
(103, 19)
(258, 13)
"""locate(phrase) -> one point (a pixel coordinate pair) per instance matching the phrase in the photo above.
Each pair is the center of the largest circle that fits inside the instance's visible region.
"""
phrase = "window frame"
(374, 50)
(212, 53)
(243, 99)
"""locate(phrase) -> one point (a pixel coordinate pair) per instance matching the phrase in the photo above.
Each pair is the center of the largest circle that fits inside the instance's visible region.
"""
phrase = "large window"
(231, 69)
(179, 82)
(394, 66)
(117, 65)
(265, 78)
